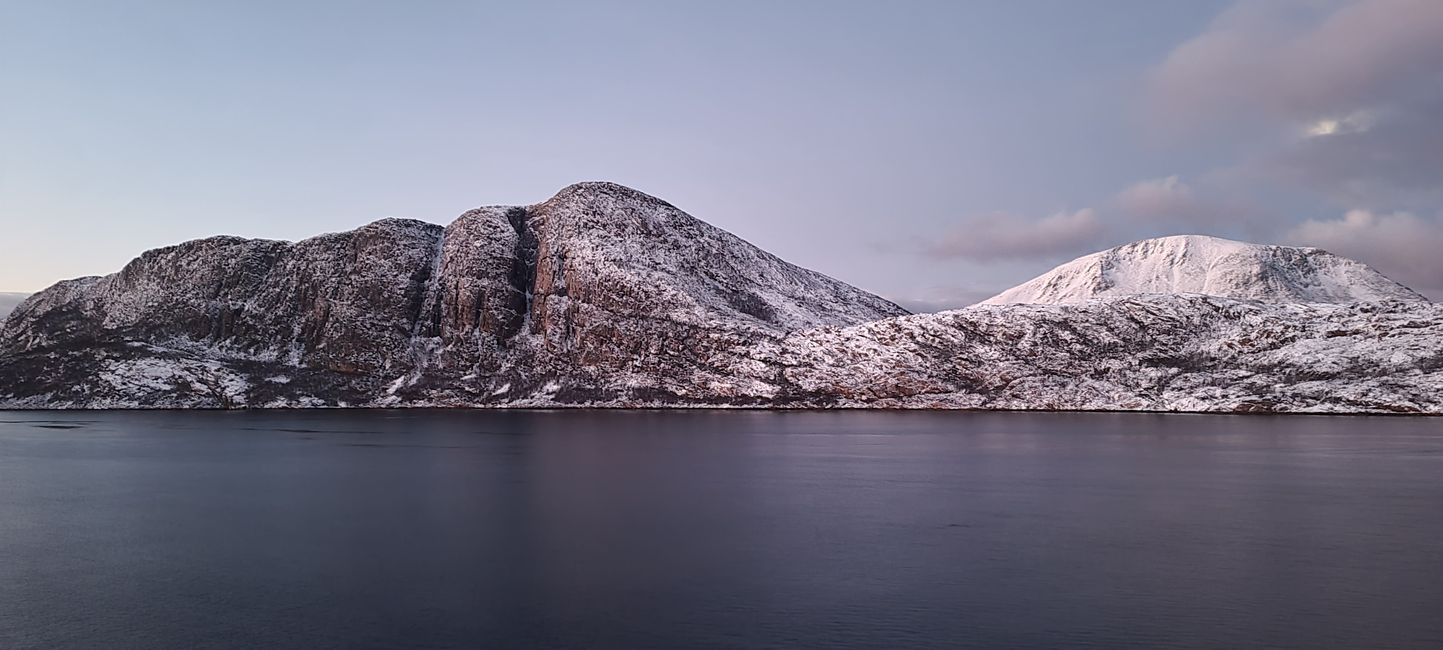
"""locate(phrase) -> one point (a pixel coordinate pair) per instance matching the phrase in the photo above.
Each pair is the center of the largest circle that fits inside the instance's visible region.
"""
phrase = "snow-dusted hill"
(1209, 266)
(604, 296)
(1150, 353)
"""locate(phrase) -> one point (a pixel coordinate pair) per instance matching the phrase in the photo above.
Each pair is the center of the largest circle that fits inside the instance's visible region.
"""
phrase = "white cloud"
(1357, 122)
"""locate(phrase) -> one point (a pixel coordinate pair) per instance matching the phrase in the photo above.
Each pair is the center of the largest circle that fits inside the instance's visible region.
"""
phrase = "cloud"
(1289, 61)
(1358, 122)
(1003, 236)
(1170, 205)
(1320, 102)
(1148, 208)
(1394, 157)
(1338, 101)
(1401, 245)
(1159, 198)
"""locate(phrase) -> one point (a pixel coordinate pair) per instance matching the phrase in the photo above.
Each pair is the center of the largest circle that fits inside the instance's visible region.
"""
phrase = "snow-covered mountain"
(604, 296)
(1209, 266)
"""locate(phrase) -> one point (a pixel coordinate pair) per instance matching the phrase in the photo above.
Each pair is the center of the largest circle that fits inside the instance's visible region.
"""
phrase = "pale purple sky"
(931, 152)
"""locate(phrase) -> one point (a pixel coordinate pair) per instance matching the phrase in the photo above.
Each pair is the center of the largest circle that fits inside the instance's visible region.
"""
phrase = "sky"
(934, 153)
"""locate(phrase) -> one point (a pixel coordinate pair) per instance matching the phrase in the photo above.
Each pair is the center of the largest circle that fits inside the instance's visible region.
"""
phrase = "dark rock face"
(479, 301)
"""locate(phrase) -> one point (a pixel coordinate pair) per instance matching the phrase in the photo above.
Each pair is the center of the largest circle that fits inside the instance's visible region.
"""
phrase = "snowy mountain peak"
(1199, 264)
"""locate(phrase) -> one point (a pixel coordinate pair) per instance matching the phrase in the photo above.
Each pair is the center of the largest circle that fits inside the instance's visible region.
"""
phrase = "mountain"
(603, 296)
(9, 301)
(599, 293)
(1209, 266)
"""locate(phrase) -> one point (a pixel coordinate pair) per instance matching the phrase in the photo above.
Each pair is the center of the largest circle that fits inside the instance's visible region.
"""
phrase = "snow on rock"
(659, 261)
(605, 296)
(1209, 266)
(1153, 353)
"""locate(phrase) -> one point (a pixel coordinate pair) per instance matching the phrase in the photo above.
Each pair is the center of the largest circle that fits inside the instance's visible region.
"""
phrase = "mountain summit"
(1211, 266)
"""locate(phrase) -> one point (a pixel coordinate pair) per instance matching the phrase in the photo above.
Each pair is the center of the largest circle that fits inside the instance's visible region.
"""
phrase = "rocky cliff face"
(1209, 266)
(604, 296)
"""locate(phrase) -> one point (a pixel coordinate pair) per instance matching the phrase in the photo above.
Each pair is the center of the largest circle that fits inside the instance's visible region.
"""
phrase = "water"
(716, 530)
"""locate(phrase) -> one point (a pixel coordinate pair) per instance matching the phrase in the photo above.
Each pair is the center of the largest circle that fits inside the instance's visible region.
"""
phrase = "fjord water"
(384, 529)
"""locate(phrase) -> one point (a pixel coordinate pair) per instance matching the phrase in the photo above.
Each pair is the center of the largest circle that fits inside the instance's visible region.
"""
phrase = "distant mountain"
(1213, 267)
(9, 301)
(603, 296)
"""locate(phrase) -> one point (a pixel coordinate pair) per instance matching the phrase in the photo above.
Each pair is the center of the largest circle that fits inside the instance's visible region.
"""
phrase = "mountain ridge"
(603, 296)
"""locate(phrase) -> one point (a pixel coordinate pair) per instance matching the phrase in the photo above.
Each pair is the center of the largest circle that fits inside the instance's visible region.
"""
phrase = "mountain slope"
(1149, 352)
(1209, 266)
(607, 235)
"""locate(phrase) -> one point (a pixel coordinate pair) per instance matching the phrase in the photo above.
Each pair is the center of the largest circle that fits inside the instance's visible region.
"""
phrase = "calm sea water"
(718, 530)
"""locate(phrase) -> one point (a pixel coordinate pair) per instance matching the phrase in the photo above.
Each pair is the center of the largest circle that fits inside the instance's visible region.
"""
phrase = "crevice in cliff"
(425, 309)
(523, 273)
